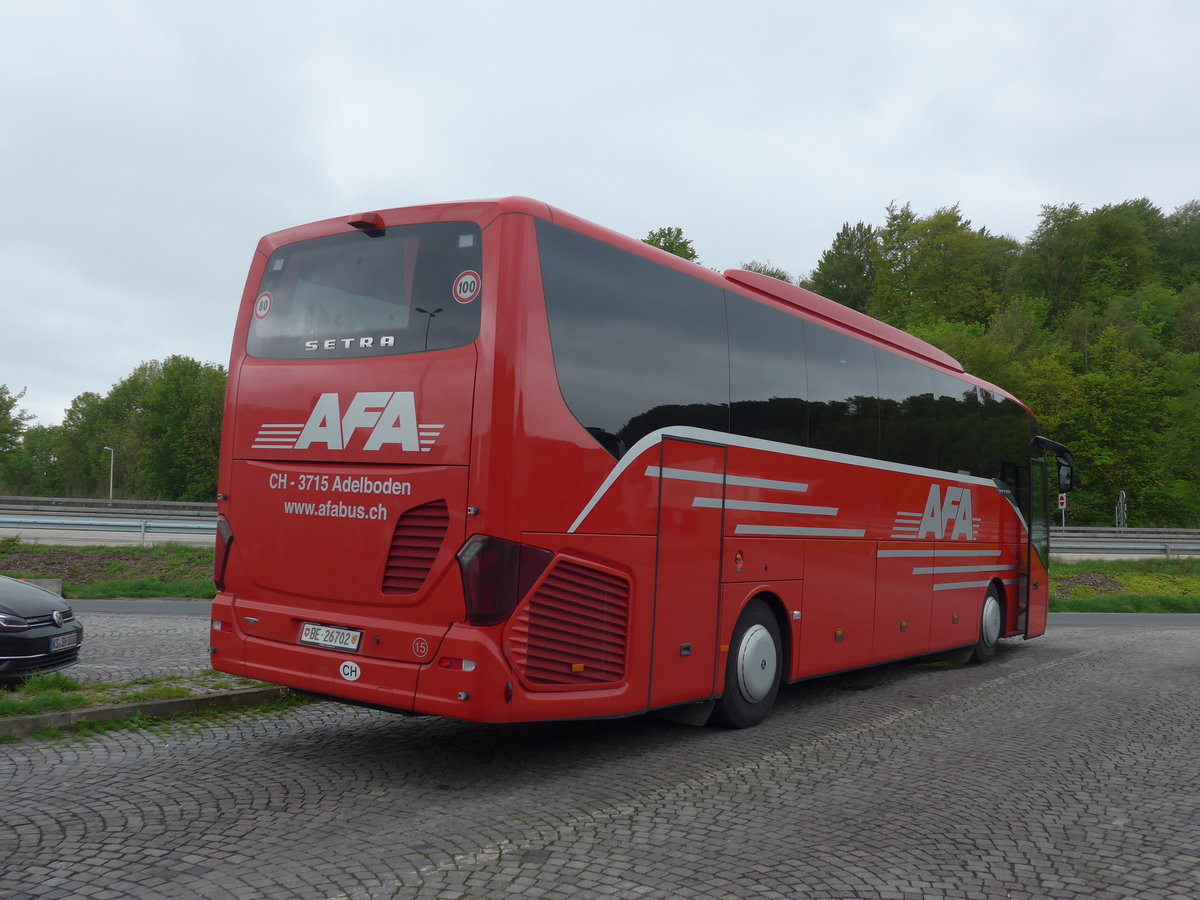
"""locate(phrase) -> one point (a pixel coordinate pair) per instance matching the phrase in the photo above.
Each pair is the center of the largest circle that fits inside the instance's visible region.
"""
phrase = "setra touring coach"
(491, 461)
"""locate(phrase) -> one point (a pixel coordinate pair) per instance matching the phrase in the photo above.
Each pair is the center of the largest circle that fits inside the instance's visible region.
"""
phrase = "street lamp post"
(428, 321)
(112, 458)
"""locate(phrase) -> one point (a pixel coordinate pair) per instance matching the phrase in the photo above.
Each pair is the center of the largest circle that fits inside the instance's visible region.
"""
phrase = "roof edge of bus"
(851, 319)
(386, 217)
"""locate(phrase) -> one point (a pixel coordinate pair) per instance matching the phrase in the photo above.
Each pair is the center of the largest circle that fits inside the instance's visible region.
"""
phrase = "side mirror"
(1066, 476)
(1066, 462)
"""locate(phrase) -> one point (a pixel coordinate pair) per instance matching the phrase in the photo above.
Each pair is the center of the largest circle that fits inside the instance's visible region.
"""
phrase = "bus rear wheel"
(991, 623)
(753, 669)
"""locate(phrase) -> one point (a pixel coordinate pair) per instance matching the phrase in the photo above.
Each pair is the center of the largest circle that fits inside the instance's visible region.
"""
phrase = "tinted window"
(1039, 520)
(956, 425)
(637, 346)
(353, 295)
(906, 411)
(843, 404)
(1006, 444)
(767, 378)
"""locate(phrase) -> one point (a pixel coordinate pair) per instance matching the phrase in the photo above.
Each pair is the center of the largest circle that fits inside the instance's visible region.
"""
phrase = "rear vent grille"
(573, 631)
(415, 544)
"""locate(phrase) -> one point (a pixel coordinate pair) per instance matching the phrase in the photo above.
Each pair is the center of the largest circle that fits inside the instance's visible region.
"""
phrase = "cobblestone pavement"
(1067, 768)
(122, 647)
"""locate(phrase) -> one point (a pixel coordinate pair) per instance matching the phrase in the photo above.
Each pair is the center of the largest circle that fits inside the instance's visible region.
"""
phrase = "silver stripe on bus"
(755, 506)
(933, 551)
(791, 531)
(684, 475)
(956, 570)
(767, 483)
(733, 480)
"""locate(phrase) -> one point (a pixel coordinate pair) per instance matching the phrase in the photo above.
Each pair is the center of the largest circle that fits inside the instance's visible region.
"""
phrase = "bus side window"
(637, 345)
(768, 384)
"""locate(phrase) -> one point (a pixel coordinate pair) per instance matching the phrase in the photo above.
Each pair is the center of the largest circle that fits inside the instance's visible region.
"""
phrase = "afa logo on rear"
(371, 420)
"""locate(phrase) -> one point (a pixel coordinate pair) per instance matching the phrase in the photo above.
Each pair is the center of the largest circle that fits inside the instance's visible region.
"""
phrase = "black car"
(38, 631)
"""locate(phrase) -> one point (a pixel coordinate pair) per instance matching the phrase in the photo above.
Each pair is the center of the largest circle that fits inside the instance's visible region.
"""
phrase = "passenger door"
(1038, 575)
(686, 592)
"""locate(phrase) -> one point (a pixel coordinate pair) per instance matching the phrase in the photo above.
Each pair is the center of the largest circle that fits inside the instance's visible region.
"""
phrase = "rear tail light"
(496, 574)
(221, 557)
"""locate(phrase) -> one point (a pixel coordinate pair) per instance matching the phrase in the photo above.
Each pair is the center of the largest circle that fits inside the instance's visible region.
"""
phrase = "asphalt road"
(1067, 768)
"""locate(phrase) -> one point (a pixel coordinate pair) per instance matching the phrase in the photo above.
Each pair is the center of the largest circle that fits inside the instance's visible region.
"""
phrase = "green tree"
(162, 423)
(12, 426)
(768, 269)
(79, 448)
(12, 418)
(935, 267)
(120, 421)
(1117, 430)
(34, 470)
(180, 427)
(846, 271)
(673, 241)
(1121, 255)
(1056, 255)
(1187, 319)
(1177, 445)
(1180, 248)
(893, 289)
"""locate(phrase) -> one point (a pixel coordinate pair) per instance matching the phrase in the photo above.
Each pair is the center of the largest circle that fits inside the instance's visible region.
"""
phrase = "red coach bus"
(488, 460)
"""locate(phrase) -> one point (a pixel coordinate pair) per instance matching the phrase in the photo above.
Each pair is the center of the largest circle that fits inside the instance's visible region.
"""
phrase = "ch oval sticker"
(350, 670)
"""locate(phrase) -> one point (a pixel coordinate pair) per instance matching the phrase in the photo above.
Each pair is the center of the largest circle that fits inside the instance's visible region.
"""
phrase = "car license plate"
(329, 637)
(64, 641)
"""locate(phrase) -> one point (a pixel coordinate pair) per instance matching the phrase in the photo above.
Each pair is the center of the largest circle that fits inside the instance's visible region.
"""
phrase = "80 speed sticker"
(262, 306)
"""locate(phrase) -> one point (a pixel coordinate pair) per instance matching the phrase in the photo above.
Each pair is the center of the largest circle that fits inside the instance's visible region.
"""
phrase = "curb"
(25, 726)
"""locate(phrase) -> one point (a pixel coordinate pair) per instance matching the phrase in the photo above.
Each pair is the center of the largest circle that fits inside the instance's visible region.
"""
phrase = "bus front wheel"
(752, 669)
(991, 623)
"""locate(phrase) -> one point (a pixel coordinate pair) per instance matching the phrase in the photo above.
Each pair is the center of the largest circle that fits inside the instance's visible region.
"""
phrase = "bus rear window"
(411, 289)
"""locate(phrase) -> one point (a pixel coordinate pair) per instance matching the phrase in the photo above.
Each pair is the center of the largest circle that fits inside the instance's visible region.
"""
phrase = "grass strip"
(57, 692)
(191, 722)
(165, 570)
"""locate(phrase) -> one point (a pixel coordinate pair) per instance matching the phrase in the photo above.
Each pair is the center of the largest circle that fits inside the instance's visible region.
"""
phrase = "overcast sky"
(146, 146)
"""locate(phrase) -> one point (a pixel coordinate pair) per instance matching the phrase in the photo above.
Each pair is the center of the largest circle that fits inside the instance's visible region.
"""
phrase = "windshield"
(408, 290)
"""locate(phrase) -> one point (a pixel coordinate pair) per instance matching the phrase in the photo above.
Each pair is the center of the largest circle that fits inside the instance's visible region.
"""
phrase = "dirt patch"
(1093, 584)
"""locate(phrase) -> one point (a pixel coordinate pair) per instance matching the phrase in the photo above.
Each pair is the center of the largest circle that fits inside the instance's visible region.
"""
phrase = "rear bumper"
(467, 678)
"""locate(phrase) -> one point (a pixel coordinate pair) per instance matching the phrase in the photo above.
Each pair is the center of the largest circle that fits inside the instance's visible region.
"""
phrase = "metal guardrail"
(85, 514)
(128, 523)
(96, 523)
(87, 505)
(1168, 543)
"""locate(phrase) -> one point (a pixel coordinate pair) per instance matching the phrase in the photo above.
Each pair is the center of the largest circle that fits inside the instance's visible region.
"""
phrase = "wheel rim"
(989, 629)
(757, 664)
